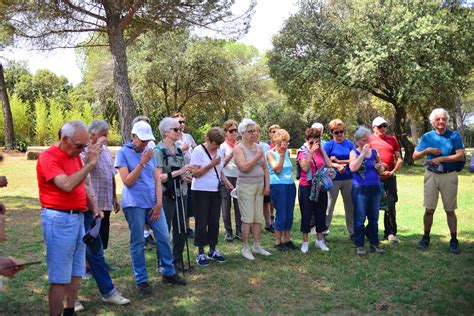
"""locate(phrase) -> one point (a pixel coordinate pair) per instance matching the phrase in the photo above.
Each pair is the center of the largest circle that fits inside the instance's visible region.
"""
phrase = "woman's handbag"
(321, 182)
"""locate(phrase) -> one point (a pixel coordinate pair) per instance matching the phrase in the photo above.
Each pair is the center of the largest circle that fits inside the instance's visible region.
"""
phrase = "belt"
(442, 172)
(65, 211)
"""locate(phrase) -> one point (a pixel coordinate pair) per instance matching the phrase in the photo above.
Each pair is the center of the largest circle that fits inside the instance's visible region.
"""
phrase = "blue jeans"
(283, 198)
(136, 218)
(65, 251)
(366, 200)
(97, 262)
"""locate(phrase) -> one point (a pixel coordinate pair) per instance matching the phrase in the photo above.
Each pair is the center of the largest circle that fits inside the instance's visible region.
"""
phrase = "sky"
(267, 20)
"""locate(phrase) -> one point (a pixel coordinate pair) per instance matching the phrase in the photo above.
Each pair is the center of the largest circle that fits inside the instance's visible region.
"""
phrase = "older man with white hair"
(63, 199)
(443, 148)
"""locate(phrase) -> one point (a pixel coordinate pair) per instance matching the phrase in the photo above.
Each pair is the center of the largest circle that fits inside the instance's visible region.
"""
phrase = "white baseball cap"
(378, 121)
(143, 131)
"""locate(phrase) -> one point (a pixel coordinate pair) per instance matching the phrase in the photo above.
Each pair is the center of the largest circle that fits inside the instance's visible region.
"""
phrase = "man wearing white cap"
(389, 150)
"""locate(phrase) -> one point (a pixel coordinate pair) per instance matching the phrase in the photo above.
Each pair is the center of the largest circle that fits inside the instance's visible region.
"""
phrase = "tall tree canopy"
(406, 53)
(59, 23)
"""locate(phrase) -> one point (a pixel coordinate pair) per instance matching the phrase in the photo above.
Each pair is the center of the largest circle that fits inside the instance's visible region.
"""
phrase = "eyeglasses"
(338, 132)
(252, 131)
(382, 126)
(175, 129)
(182, 122)
(78, 146)
(233, 130)
(440, 119)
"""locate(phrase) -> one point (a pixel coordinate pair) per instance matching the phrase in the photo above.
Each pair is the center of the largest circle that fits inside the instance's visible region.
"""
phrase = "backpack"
(461, 163)
(164, 151)
(169, 185)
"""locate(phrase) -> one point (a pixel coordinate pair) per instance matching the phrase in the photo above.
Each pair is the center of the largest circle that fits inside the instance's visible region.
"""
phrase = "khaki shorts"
(250, 198)
(444, 183)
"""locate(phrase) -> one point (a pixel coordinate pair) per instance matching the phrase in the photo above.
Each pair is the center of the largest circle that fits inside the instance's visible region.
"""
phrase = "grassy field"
(402, 281)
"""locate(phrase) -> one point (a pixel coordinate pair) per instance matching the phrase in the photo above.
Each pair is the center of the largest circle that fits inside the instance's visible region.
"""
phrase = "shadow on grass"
(402, 281)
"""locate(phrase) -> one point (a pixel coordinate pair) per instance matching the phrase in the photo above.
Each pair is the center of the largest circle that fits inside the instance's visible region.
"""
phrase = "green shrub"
(41, 128)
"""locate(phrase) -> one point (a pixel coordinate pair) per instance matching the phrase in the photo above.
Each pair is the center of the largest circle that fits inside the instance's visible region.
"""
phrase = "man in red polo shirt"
(63, 199)
(389, 151)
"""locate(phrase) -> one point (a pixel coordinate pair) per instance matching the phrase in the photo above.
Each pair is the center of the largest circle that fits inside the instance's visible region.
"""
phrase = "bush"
(41, 127)
(21, 145)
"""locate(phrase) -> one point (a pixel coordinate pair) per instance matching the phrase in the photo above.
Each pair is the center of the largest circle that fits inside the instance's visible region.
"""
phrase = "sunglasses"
(78, 146)
(338, 132)
(314, 141)
(182, 122)
(233, 130)
(382, 126)
(175, 129)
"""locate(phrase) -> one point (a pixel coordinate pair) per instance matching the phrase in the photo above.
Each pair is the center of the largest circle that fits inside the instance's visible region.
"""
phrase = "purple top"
(366, 175)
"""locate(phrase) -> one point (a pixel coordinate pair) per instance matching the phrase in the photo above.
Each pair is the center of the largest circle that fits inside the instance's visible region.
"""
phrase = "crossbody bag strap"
(210, 158)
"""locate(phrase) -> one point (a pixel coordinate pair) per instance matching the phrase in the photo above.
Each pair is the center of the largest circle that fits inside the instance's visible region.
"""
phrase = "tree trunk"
(7, 113)
(414, 134)
(459, 126)
(123, 95)
(402, 130)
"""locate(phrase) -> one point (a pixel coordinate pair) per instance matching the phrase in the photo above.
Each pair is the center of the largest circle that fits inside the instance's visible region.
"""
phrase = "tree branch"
(125, 21)
(84, 11)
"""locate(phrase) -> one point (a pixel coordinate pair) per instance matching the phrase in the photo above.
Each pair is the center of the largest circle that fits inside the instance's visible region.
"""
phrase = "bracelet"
(141, 164)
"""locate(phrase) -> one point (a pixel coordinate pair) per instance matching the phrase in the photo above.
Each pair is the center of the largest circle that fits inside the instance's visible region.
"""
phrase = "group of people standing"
(165, 183)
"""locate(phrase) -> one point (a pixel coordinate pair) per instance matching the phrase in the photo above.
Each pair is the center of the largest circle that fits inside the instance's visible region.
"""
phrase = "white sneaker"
(321, 245)
(305, 247)
(260, 251)
(247, 254)
(78, 307)
(116, 298)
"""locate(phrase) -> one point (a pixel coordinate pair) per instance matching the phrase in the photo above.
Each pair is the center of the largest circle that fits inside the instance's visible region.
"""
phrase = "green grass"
(403, 281)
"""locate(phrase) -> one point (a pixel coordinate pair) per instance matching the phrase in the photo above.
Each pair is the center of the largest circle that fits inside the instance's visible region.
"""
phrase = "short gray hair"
(139, 118)
(437, 112)
(361, 132)
(318, 126)
(98, 126)
(244, 124)
(70, 129)
(165, 125)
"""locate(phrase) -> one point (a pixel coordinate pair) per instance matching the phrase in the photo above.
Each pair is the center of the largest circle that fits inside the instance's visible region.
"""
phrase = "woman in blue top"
(282, 189)
(142, 203)
(338, 150)
(365, 165)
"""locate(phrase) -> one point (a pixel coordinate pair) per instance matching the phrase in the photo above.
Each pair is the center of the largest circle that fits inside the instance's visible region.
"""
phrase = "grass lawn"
(402, 281)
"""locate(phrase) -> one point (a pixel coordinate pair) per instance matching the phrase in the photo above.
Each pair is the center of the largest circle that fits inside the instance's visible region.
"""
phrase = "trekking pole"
(184, 221)
(177, 219)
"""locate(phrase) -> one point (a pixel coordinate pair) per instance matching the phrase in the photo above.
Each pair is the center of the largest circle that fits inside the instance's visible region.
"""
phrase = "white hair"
(141, 118)
(318, 126)
(98, 126)
(437, 112)
(70, 129)
(244, 124)
(361, 132)
(165, 125)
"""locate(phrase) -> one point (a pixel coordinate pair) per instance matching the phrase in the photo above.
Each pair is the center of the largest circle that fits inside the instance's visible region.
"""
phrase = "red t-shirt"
(51, 163)
(386, 146)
